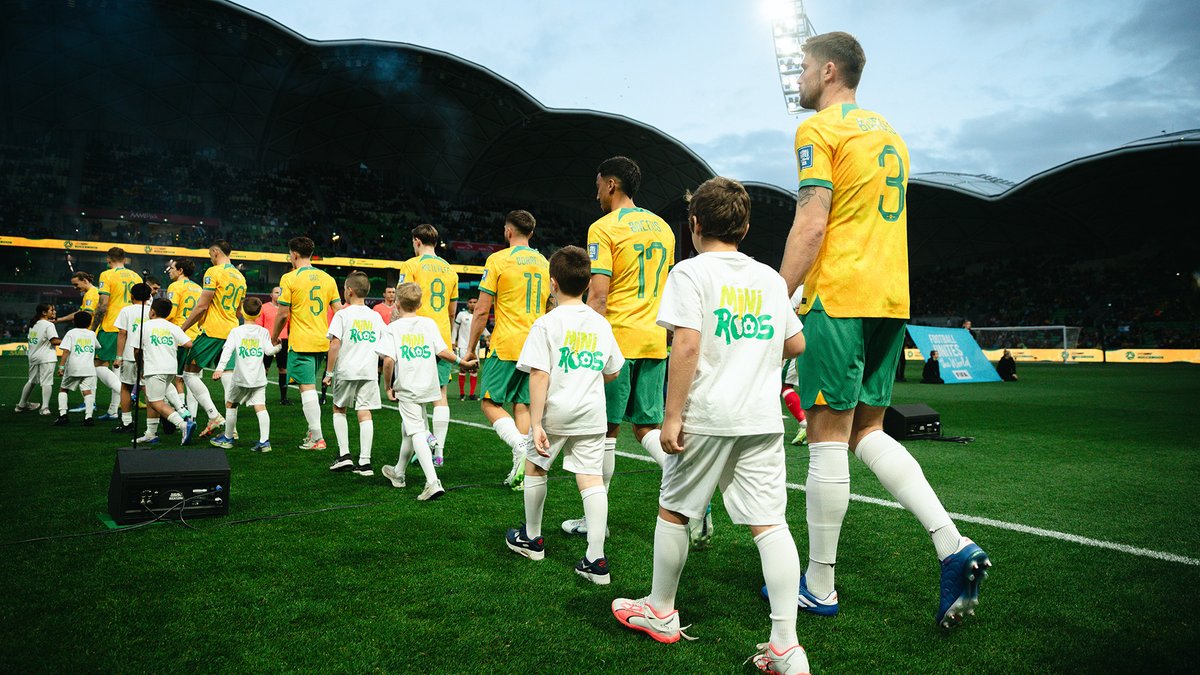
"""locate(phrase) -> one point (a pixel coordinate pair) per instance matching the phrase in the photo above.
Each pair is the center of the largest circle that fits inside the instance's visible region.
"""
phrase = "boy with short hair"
(251, 342)
(128, 321)
(354, 336)
(159, 353)
(77, 368)
(408, 349)
(570, 353)
(733, 325)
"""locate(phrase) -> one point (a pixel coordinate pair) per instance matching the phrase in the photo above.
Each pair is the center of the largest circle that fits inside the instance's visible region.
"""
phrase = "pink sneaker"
(640, 616)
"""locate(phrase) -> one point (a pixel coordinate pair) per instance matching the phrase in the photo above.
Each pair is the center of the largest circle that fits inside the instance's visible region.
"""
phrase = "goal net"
(1064, 338)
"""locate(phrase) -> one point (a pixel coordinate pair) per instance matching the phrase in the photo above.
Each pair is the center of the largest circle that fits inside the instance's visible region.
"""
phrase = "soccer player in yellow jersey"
(516, 281)
(216, 314)
(848, 246)
(439, 295)
(113, 290)
(305, 297)
(631, 251)
(82, 281)
(183, 294)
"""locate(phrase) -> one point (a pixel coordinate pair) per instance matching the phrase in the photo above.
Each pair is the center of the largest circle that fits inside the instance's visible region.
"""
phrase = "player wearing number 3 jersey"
(517, 281)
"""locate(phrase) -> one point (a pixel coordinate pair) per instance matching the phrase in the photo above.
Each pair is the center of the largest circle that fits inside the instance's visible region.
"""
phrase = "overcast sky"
(1009, 89)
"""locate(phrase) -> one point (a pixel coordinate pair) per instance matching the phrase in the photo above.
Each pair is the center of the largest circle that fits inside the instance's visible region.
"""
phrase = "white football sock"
(108, 378)
(506, 429)
(175, 400)
(595, 512)
(341, 431)
(670, 555)
(193, 404)
(151, 426)
(196, 388)
(62, 403)
(441, 427)
(47, 392)
(264, 426)
(610, 460)
(25, 392)
(651, 442)
(535, 501)
(227, 383)
(406, 453)
(366, 436)
(126, 418)
(827, 496)
(231, 415)
(424, 458)
(903, 478)
(781, 572)
(177, 419)
(311, 405)
(89, 405)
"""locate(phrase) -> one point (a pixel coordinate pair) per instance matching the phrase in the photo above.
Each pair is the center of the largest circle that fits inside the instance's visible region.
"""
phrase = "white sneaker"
(46, 412)
(579, 526)
(389, 472)
(791, 662)
(432, 491)
(146, 439)
(640, 616)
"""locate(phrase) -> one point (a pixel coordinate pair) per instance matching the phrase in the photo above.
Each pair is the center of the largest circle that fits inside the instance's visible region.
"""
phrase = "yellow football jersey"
(439, 288)
(91, 300)
(228, 287)
(184, 294)
(862, 267)
(636, 249)
(115, 283)
(518, 278)
(308, 293)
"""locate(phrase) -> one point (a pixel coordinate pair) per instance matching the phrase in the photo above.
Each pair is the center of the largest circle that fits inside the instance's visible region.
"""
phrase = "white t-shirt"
(128, 320)
(249, 342)
(743, 313)
(40, 350)
(80, 345)
(462, 330)
(161, 341)
(360, 329)
(576, 346)
(414, 343)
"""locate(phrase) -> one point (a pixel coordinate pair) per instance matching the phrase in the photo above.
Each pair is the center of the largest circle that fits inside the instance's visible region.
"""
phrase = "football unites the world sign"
(959, 357)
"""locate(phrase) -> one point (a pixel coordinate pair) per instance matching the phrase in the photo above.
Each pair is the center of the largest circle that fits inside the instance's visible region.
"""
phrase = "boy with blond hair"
(248, 386)
(354, 336)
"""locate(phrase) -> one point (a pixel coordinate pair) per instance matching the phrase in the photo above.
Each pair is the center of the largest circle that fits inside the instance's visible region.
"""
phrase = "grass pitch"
(381, 582)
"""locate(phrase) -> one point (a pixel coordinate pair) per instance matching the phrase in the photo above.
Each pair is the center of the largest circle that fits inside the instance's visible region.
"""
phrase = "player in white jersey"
(129, 319)
(158, 348)
(461, 338)
(354, 336)
(77, 367)
(410, 347)
(569, 354)
(247, 345)
(43, 338)
(732, 325)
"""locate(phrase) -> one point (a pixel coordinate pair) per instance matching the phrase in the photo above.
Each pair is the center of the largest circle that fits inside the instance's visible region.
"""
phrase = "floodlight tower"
(791, 29)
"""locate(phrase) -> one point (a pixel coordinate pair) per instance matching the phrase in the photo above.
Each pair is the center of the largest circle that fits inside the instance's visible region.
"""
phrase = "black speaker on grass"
(912, 421)
(148, 483)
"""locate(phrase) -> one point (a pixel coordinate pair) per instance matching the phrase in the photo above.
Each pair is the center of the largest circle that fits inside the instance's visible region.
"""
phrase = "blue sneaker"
(262, 446)
(221, 441)
(807, 602)
(519, 542)
(108, 417)
(79, 408)
(962, 573)
(189, 428)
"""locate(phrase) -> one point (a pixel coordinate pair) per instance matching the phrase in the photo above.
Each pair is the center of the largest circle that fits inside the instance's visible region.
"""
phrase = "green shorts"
(503, 383)
(637, 394)
(108, 345)
(181, 354)
(848, 361)
(206, 351)
(303, 367)
(444, 368)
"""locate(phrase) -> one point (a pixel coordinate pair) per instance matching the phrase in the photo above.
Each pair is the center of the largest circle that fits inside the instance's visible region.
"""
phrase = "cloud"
(764, 155)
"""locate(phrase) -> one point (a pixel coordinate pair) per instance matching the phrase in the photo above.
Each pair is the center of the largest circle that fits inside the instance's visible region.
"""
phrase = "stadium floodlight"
(791, 28)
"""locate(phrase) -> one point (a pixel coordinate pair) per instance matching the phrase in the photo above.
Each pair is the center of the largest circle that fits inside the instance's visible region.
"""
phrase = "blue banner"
(959, 357)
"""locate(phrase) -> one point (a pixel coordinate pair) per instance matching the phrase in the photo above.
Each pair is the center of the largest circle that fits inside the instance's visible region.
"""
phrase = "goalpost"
(1064, 338)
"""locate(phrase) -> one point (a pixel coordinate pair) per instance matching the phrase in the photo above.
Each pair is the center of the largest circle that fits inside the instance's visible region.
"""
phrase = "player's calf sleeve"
(610, 461)
(535, 501)
(670, 555)
(312, 412)
(196, 388)
(506, 429)
(62, 403)
(792, 401)
(264, 426)
(652, 442)
(827, 496)
(441, 426)
(474, 382)
(341, 431)
(781, 572)
(366, 437)
(595, 512)
(903, 478)
(462, 383)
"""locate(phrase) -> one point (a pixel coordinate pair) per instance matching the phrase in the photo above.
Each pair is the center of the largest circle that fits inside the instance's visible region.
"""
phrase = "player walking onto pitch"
(460, 335)
(354, 337)
(517, 280)
(77, 368)
(439, 294)
(247, 344)
(43, 339)
(216, 313)
(306, 295)
(848, 246)
(631, 250)
(732, 326)
(569, 354)
(113, 289)
(184, 294)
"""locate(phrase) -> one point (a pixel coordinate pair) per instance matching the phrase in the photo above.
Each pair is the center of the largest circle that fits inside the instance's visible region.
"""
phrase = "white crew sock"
(264, 426)
(366, 437)
(670, 555)
(595, 512)
(406, 453)
(89, 405)
(827, 496)
(231, 415)
(535, 502)
(196, 388)
(47, 391)
(126, 418)
(341, 431)
(610, 460)
(62, 403)
(903, 478)
(151, 426)
(311, 405)
(175, 400)
(506, 429)
(108, 378)
(441, 427)
(177, 419)
(424, 457)
(653, 446)
(781, 571)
